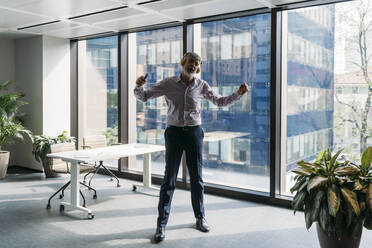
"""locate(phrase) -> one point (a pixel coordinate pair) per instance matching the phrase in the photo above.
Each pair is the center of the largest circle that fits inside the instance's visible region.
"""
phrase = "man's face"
(191, 66)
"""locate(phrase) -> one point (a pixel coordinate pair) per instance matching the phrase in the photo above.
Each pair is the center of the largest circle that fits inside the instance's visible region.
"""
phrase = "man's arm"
(222, 101)
(155, 91)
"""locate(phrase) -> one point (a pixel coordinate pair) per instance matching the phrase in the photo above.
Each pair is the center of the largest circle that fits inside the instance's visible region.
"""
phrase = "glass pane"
(325, 82)
(158, 54)
(236, 144)
(98, 90)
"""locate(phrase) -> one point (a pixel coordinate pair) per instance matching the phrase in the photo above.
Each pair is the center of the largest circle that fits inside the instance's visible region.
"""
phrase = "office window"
(163, 53)
(338, 88)
(236, 137)
(98, 89)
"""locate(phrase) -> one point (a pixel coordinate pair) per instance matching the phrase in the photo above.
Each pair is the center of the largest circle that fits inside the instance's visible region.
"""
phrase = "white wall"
(28, 80)
(56, 85)
(41, 69)
(6, 59)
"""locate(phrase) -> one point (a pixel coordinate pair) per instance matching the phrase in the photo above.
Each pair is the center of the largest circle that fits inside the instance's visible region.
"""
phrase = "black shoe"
(159, 234)
(202, 225)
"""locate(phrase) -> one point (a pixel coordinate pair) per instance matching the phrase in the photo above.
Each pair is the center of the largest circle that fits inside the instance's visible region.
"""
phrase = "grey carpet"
(127, 219)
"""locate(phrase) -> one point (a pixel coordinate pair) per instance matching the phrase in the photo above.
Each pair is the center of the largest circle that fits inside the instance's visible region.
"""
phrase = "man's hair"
(190, 55)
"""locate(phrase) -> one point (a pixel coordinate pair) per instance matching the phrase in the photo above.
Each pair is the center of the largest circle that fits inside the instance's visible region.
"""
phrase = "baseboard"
(12, 169)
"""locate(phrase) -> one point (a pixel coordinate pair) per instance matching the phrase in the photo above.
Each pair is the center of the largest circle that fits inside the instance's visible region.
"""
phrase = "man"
(183, 95)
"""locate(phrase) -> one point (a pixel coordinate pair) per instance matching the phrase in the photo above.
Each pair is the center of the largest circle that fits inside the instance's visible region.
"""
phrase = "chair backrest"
(95, 141)
(58, 165)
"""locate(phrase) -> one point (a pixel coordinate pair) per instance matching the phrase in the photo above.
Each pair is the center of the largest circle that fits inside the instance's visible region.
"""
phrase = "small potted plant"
(41, 147)
(10, 123)
(337, 194)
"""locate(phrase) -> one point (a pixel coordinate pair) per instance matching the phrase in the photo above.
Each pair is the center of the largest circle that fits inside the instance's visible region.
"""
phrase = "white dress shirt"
(184, 101)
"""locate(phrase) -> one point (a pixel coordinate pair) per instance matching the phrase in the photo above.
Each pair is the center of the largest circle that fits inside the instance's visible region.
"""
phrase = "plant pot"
(49, 173)
(4, 161)
(345, 242)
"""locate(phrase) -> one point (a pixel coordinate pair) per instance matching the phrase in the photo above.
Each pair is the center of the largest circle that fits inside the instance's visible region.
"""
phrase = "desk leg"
(146, 181)
(147, 170)
(75, 192)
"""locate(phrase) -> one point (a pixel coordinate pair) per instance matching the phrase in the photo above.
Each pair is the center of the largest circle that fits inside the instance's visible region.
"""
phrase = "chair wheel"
(48, 206)
(111, 179)
(118, 185)
(61, 196)
(90, 216)
(95, 197)
(85, 205)
(61, 208)
(85, 182)
(134, 188)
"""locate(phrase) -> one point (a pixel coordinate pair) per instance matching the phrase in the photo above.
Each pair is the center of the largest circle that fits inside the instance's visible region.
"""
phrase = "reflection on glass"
(318, 80)
(158, 55)
(236, 139)
(98, 89)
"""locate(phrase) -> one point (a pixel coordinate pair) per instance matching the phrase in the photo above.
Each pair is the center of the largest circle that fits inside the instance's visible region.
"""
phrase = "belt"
(185, 128)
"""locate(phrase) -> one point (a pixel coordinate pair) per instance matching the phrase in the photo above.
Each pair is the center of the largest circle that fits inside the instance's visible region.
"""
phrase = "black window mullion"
(275, 103)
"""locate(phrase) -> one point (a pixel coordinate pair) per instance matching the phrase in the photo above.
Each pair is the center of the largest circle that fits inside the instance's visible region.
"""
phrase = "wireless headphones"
(191, 54)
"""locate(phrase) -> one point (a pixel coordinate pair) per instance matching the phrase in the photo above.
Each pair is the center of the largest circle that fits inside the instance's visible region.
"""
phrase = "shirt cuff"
(237, 95)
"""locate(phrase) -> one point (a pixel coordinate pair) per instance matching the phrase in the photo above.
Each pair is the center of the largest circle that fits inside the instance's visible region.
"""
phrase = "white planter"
(4, 161)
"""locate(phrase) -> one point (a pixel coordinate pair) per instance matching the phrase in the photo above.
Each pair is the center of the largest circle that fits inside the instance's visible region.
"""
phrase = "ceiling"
(78, 18)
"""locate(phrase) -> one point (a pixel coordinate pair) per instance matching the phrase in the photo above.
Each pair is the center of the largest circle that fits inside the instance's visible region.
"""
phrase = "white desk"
(100, 154)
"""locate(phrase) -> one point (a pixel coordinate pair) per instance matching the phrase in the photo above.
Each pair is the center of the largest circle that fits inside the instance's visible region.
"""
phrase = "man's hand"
(141, 81)
(243, 89)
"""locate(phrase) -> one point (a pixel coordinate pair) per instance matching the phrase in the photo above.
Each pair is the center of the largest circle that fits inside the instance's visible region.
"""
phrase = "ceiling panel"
(99, 16)
(67, 8)
(50, 27)
(138, 21)
(106, 16)
(212, 8)
(15, 3)
(75, 32)
(170, 4)
(10, 19)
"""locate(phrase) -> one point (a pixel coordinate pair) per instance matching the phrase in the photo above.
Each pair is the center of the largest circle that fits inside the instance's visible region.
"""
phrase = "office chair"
(96, 141)
(59, 166)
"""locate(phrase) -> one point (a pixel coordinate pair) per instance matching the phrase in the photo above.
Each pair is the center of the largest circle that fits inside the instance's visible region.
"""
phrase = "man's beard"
(189, 71)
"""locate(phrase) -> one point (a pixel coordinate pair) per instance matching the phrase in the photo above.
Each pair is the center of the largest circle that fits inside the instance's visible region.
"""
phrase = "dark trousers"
(177, 140)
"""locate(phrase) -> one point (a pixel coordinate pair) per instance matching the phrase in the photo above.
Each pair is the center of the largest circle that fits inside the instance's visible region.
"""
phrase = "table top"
(107, 153)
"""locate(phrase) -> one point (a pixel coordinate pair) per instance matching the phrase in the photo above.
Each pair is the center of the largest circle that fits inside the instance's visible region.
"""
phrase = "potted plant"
(10, 123)
(337, 194)
(41, 147)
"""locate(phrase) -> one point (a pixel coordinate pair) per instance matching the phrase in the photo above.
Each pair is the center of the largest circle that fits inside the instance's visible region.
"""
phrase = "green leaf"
(340, 226)
(369, 197)
(333, 160)
(316, 205)
(316, 182)
(298, 200)
(308, 219)
(368, 221)
(301, 171)
(345, 171)
(366, 158)
(358, 185)
(348, 215)
(299, 185)
(324, 217)
(351, 198)
(320, 157)
(333, 200)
